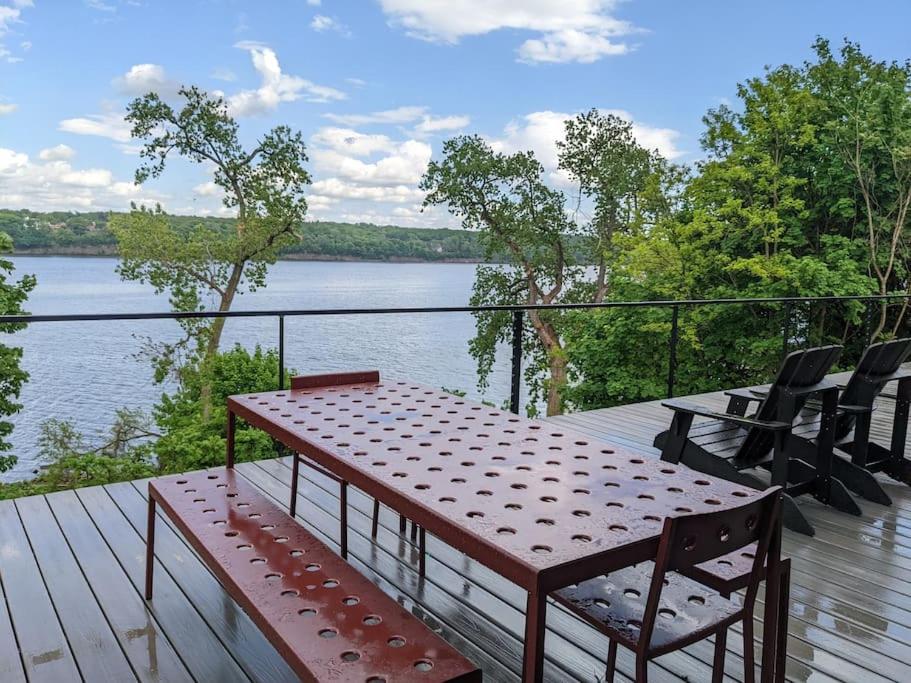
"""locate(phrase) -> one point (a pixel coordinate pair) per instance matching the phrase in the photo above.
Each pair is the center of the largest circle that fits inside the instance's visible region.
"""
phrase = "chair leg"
(402, 524)
(721, 640)
(784, 598)
(150, 548)
(376, 519)
(414, 532)
(611, 662)
(749, 663)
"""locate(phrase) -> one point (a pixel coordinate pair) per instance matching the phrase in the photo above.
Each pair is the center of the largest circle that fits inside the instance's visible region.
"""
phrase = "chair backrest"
(692, 539)
(876, 367)
(800, 369)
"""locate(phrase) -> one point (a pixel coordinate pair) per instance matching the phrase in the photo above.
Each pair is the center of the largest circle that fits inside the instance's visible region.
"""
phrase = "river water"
(84, 371)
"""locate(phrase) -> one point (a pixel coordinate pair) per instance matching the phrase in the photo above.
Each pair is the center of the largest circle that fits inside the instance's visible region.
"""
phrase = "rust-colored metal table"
(545, 507)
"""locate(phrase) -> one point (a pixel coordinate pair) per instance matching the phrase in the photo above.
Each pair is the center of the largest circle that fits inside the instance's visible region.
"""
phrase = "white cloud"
(337, 189)
(404, 166)
(276, 87)
(398, 115)
(437, 124)
(144, 78)
(359, 82)
(570, 46)
(314, 3)
(100, 5)
(208, 189)
(321, 23)
(8, 17)
(425, 124)
(7, 108)
(570, 30)
(224, 74)
(110, 125)
(58, 153)
(348, 141)
(54, 184)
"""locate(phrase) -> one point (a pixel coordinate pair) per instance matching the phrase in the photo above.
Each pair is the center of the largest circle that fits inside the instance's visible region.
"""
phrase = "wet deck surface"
(71, 571)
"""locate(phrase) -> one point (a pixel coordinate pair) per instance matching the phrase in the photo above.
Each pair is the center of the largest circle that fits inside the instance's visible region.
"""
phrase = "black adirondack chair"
(857, 456)
(733, 446)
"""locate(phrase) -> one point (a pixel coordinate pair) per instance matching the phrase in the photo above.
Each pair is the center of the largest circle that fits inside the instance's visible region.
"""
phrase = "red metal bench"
(327, 620)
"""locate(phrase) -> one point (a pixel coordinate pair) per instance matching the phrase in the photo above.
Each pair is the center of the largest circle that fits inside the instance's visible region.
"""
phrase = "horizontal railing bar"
(183, 315)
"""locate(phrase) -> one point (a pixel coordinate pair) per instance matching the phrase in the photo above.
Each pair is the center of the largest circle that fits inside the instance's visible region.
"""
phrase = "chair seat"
(615, 604)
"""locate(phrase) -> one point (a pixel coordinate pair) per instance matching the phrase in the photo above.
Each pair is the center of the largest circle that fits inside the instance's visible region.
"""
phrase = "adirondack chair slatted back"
(800, 369)
(878, 364)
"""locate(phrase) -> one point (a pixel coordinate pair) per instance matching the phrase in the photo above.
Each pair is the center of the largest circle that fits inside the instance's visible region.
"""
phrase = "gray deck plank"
(204, 655)
(850, 611)
(152, 655)
(45, 653)
(230, 624)
(87, 631)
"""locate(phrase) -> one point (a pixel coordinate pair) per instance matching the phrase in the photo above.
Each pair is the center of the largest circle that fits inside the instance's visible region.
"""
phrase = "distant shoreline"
(104, 252)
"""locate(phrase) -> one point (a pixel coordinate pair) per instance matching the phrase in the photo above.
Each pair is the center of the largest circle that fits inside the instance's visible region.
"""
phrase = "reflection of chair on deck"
(856, 456)
(731, 445)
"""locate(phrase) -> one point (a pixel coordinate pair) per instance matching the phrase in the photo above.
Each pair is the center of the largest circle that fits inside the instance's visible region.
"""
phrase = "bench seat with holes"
(328, 621)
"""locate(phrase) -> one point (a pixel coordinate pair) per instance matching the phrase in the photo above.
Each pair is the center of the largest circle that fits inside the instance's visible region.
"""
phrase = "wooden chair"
(731, 445)
(654, 609)
(857, 457)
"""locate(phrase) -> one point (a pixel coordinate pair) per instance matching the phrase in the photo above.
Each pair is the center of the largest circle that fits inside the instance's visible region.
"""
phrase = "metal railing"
(518, 321)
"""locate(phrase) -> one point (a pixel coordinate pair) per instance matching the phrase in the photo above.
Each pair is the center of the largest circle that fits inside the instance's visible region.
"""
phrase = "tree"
(867, 123)
(13, 295)
(263, 185)
(505, 199)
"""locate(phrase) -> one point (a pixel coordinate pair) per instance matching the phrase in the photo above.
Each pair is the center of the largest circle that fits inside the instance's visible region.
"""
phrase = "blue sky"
(377, 85)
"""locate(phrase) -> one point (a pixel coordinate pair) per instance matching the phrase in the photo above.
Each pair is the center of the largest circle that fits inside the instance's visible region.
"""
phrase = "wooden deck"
(71, 572)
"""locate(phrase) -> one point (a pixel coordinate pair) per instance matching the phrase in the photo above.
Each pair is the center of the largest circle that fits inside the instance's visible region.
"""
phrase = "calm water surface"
(84, 371)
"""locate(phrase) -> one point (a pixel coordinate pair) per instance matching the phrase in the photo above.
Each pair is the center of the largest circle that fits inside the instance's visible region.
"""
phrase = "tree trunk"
(215, 332)
(557, 362)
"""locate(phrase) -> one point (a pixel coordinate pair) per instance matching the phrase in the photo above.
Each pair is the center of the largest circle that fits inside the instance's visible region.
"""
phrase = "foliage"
(13, 294)
(264, 185)
(175, 438)
(504, 197)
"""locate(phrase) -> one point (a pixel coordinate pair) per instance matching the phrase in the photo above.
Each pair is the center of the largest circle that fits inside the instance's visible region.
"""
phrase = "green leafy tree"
(13, 294)
(264, 185)
(505, 199)
(623, 187)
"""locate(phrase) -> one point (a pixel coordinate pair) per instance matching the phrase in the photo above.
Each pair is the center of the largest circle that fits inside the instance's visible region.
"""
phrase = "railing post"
(868, 321)
(672, 361)
(281, 352)
(786, 332)
(517, 325)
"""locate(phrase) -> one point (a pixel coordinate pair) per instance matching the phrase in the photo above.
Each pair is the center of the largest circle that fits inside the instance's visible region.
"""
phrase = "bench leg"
(343, 518)
(422, 550)
(374, 527)
(295, 475)
(150, 547)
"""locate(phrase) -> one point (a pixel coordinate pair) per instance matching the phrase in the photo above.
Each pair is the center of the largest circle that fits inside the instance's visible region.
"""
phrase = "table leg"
(535, 622)
(232, 425)
(771, 622)
(295, 475)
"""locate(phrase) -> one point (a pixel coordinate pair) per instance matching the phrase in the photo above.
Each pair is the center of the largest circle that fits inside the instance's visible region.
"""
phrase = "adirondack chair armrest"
(746, 394)
(695, 409)
(855, 410)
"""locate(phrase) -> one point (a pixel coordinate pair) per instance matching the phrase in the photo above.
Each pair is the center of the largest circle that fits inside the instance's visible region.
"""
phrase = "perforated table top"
(539, 504)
